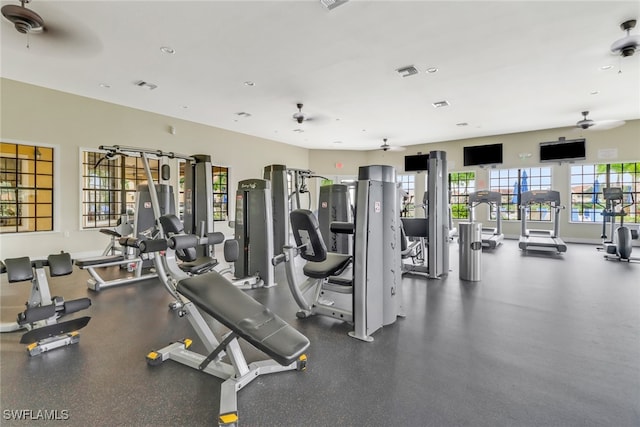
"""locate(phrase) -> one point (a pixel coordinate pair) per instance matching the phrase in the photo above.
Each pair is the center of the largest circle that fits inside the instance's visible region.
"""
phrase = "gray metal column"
(198, 199)
(334, 205)
(377, 259)
(277, 175)
(253, 230)
(438, 211)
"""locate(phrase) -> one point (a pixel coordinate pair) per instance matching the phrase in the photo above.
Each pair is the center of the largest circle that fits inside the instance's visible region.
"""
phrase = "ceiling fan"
(626, 46)
(586, 123)
(25, 20)
(299, 116)
(386, 147)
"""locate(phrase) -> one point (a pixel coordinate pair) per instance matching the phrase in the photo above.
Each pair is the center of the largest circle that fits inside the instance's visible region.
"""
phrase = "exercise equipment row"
(41, 317)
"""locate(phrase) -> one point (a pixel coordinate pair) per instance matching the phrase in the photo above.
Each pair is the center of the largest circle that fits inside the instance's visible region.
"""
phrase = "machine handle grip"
(341, 227)
(153, 245)
(278, 259)
(215, 238)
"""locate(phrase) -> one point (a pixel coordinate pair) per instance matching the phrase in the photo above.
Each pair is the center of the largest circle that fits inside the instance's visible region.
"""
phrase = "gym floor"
(541, 341)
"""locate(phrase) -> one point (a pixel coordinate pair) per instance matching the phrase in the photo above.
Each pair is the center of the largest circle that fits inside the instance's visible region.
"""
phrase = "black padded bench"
(98, 261)
(214, 298)
(246, 317)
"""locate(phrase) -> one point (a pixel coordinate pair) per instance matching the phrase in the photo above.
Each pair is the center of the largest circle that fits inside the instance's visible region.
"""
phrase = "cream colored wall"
(31, 114)
(35, 115)
(625, 139)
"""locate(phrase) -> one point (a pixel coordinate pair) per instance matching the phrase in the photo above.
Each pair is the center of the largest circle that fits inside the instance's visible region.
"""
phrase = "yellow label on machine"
(228, 418)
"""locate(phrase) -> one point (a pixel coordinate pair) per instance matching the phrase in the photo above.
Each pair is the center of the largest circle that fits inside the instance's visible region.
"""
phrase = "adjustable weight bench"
(135, 265)
(212, 295)
(40, 318)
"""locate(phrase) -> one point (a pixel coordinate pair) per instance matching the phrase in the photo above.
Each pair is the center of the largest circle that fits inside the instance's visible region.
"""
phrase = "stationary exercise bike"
(619, 247)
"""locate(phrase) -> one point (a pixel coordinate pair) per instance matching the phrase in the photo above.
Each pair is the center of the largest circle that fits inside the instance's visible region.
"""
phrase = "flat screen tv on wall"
(416, 163)
(563, 150)
(478, 155)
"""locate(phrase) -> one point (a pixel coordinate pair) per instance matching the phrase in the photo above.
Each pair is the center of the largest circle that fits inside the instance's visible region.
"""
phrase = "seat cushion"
(333, 264)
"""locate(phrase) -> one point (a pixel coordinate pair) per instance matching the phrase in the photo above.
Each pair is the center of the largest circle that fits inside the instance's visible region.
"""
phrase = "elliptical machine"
(619, 247)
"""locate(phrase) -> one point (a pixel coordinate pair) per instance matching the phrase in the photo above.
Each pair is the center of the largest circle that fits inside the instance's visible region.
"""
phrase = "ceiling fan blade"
(607, 124)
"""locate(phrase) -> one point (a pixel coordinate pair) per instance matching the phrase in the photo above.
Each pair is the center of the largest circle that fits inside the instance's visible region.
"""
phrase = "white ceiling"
(504, 66)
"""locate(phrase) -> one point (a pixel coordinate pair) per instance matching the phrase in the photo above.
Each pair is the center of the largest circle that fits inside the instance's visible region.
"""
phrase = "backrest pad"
(306, 231)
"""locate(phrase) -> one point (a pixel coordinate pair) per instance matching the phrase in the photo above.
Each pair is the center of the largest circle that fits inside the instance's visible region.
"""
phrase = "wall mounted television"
(563, 149)
(479, 155)
(416, 163)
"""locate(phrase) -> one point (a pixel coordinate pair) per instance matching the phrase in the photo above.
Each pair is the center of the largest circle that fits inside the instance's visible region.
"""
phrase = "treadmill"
(541, 240)
(491, 236)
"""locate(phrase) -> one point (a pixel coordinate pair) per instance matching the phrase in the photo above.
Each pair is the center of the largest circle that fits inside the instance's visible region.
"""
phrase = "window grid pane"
(505, 181)
(587, 183)
(102, 185)
(26, 188)
(408, 185)
(460, 185)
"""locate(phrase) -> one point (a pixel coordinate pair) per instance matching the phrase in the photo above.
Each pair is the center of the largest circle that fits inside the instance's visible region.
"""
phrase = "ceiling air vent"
(146, 85)
(407, 71)
(332, 4)
(440, 104)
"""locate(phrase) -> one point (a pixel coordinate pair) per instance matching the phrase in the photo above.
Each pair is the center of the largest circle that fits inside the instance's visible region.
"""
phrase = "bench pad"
(96, 261)
(249, 319)
(334, 264)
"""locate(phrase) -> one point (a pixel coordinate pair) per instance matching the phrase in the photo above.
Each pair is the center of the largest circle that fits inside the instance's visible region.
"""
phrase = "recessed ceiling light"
(440, 104)
(298, 130)
(168, 50)
(432, 70)
(462, 124)
(105, 85)
(594, 92)
(606, 67)
(243, 114)
(249, 83)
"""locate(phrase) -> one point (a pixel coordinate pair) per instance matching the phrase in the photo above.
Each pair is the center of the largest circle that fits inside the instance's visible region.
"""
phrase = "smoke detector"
(25, 20)
(626, 46)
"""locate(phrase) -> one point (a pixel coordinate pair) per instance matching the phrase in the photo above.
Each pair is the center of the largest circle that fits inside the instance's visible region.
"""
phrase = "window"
(26, 188)
(220, 191)
(506, 182)
(408, 185)
(588, 181)
(460, 185)
(109, 187)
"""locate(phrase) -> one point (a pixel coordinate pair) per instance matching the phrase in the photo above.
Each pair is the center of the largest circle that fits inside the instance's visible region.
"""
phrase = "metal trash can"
(470, 250)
